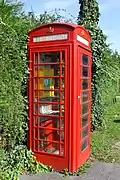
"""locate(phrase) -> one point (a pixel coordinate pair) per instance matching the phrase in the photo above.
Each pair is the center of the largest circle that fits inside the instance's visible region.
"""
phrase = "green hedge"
(12, 76)
(15, 159)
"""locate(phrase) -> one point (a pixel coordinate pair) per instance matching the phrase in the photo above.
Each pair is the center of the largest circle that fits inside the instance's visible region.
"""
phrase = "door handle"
(79, 97)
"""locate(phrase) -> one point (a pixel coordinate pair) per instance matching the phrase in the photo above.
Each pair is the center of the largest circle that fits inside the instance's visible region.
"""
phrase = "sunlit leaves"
(104, 72)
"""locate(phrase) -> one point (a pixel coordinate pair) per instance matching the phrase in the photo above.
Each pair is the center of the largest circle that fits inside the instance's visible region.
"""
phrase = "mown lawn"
(105, 145)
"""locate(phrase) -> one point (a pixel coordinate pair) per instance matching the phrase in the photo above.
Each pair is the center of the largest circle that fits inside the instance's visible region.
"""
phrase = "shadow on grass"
(116, 121)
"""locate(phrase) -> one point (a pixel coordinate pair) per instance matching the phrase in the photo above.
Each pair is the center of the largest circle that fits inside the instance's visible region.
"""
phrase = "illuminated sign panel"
(50, 38)
(82, 40)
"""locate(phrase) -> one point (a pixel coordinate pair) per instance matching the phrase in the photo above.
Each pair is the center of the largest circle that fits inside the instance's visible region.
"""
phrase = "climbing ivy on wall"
(89, 17)
(102, 76)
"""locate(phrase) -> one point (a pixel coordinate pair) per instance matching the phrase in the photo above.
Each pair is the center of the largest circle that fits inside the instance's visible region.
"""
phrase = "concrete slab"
(46, 176)
(99, 171)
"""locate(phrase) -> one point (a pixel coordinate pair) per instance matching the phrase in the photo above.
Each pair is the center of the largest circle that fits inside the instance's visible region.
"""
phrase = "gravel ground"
(99, 171)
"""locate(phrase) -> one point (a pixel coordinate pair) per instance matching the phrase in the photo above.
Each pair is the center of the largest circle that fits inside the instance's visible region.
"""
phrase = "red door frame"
(48, 158)
(73, 107)
(83, 156)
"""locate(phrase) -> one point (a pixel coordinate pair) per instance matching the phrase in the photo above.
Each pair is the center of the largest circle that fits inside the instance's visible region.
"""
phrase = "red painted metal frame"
(51, 159)
(84, 155)
(74, 49)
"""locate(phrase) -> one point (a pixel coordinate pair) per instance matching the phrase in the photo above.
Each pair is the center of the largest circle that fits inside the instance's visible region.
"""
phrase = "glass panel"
(84, 96)
(84, 132)
(47, 70)
(48, 83)
(60, 122)
(46, 96)
(51, 131)
(84, 108)
(42, 134)
(61, 135)
(84, 59)
(84, 120)
(35, 58)
(49, 109)
(35, 94)
(36, 109)
(35, 145)
(49, 134)
(63, 96)
(63, 70)
(84, 144)
(62, 127)
(49, 147)
(62, 149)
(36, 133)
(84, 72)
(35, 83)
(63, 84)
(35, 71)
(62, 109)
(84, 84)
(35, 121)
(46, 138)
(50, 57)
(61, 131)
(50, 122)
(63, 57)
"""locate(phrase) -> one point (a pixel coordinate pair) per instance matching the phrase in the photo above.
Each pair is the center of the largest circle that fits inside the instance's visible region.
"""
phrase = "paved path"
(99, 171)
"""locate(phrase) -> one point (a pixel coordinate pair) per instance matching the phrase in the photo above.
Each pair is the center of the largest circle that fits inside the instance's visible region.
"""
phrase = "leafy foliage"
(14, 25)
(12, 75)
(20, 161)
(102, 71)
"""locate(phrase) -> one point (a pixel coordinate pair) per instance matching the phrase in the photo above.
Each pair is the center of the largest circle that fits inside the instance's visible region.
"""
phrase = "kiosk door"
(84, 103)
(50, 104)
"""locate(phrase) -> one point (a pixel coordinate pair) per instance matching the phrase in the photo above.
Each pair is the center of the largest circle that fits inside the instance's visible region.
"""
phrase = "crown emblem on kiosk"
(83, 32)
(50, 30)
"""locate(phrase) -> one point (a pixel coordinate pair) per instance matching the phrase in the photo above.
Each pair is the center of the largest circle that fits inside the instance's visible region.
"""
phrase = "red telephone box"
(60, 95)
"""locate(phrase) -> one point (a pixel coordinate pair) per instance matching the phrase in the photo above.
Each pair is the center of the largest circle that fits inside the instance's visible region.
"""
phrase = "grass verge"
(105, 143)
